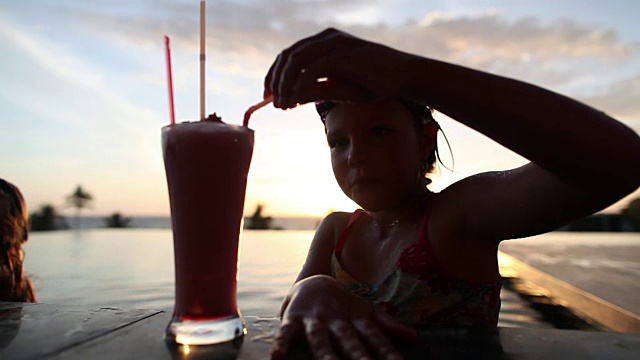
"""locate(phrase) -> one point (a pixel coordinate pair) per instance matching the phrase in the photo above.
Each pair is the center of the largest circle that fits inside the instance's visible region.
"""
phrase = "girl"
(411, 257)
(14, 227)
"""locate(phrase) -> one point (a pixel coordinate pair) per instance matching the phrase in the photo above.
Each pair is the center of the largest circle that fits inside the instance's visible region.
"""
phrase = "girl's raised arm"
(581, 159)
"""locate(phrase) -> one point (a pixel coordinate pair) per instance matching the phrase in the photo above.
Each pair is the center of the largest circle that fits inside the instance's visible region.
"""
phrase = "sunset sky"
(83, 85)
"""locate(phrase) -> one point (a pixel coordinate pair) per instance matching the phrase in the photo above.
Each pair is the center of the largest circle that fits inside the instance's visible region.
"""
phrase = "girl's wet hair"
(422, 115)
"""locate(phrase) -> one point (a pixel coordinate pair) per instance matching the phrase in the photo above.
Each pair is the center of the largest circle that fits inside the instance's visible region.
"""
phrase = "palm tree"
(79, 199)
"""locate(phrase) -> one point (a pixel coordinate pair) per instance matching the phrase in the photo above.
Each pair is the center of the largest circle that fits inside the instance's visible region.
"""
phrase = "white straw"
(202, 60)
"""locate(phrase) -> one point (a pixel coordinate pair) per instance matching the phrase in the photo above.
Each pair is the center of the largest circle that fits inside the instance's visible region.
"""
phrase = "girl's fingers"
(302, 55)
(317, 84)
(377, 341)
(289, 331)
(292, 78)
(319, 339)
(275, 78)
(268, 80)
(360, 71)
(292, 62)
(348, 341)
(336, 87)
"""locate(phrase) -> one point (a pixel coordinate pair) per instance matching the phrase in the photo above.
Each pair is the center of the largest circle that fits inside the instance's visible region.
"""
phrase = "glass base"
(205, 332)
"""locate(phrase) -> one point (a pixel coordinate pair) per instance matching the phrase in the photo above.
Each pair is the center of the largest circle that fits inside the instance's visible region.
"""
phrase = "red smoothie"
(206, 163)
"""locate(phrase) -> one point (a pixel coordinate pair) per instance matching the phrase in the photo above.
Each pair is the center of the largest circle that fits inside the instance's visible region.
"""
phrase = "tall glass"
(206, 164)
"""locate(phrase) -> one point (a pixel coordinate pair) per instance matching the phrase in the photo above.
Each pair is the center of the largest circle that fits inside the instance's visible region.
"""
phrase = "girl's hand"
(350, 70)
(331, 319)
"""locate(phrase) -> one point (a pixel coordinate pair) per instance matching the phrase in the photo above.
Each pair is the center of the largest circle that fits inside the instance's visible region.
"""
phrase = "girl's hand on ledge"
(337, 323)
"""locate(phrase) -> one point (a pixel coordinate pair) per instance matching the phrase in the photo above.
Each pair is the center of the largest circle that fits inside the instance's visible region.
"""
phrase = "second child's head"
(381, 151)
(14, 231)
(14, 224)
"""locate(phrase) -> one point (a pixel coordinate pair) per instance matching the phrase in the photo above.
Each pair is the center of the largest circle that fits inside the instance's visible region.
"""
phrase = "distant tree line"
(628, 220)
(47, 217)
(632, 213)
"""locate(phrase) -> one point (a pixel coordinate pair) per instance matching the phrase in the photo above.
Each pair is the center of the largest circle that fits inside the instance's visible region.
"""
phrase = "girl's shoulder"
(323, 245)
(332, 227)
(336, 222)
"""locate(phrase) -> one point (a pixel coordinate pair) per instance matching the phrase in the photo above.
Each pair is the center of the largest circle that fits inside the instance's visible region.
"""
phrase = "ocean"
(164, 222)
(133, 268)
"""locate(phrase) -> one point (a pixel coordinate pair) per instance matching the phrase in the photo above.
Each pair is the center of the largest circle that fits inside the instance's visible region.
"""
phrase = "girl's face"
(376, 152)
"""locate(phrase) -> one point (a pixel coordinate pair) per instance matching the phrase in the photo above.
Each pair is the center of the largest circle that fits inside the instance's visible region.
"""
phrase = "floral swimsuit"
(418, 292)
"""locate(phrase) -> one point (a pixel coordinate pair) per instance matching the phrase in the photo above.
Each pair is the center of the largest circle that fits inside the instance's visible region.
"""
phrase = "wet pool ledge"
(534, 284)
(45, 331)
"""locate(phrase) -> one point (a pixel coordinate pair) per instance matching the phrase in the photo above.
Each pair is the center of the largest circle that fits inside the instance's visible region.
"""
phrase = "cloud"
(54, 57)
(55, 88)
(244, 38)
(237, 33)
(512, 39)
(111, 107)
(253, 33)
(553, 55)
(622, 97)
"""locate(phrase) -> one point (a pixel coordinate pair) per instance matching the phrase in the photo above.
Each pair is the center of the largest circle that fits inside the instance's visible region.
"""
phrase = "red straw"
(255, 107)
(170, 81)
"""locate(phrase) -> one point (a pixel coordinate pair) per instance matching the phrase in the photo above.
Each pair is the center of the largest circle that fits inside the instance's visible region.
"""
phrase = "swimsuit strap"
(423, 235)
(345, 233)
(423, 239)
